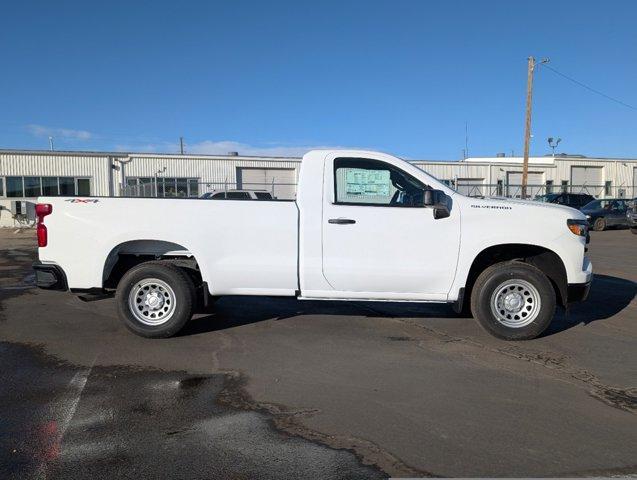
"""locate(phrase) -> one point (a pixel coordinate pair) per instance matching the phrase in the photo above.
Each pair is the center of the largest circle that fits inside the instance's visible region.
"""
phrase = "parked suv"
(238, 195)
(610, 212)
(575, 200)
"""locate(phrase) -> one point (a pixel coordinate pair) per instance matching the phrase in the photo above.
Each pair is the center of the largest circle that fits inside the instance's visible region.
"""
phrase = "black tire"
(633, 230)
(599, 225)
(184, 300)
(495, 277)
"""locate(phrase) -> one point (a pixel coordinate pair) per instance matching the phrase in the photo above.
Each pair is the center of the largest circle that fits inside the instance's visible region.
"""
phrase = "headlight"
(578, 227)
(588, 217)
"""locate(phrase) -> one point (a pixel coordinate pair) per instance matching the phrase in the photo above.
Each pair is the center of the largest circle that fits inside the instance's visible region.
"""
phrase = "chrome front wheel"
(515, 303)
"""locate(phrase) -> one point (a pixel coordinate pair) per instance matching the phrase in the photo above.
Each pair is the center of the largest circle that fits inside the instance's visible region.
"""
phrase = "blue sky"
(280, 77)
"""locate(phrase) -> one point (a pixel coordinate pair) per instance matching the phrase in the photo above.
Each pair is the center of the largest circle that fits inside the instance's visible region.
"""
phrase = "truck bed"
(243, 247)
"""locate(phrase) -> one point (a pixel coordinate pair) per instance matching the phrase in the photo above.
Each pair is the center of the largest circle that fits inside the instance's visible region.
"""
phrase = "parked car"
(610, 212)
(364, 226)
(238, 195)
(574, 200)
(631, 217)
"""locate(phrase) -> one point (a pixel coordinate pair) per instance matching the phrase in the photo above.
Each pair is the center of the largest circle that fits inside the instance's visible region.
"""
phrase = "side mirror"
(438, 200)
(434, 198)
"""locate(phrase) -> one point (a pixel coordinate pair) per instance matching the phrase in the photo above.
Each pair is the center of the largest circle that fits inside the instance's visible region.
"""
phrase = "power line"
(588, 88)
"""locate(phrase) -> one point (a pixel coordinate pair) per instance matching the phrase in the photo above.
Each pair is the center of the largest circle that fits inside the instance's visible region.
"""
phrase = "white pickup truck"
(365, 226)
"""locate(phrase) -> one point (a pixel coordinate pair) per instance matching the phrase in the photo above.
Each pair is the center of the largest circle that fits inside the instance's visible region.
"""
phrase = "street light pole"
(161, 170)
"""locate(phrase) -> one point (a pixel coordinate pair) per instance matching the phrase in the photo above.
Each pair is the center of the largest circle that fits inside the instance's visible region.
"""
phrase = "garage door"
(280, 182)
(587, 180)
(471, 187)
(534, 184)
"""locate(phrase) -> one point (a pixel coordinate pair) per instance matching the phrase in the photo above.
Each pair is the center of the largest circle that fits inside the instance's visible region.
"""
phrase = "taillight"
(41, 211)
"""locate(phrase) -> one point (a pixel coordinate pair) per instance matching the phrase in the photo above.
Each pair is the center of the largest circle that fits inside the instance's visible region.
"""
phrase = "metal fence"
(192, 188)
(533, 191)
(197, 189)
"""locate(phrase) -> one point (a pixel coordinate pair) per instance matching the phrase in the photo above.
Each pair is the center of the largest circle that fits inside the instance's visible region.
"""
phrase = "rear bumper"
(49, 276)
(578, 292)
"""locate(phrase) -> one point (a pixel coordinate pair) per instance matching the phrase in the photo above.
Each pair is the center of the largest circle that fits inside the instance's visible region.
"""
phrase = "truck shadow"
(609, 296)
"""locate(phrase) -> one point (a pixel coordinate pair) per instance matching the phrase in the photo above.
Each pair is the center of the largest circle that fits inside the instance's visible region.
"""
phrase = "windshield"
(546, 198)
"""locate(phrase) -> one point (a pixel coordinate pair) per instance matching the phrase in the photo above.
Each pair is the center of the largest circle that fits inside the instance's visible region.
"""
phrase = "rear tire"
(155, 299)
(599, 225)
(513, 301)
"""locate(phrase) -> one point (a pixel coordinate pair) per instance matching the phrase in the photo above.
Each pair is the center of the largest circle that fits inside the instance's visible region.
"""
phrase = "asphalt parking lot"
(271, 388)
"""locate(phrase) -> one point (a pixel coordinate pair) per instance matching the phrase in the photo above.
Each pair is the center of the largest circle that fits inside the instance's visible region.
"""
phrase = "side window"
(619, 206)
(238, 196)
(372, 182)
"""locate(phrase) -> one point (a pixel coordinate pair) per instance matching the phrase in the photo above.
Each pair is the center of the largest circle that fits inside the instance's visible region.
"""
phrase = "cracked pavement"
(267, 388)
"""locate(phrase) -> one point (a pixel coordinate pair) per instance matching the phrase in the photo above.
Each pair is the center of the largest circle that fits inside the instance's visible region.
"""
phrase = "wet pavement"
(273, 388)
(62, 421)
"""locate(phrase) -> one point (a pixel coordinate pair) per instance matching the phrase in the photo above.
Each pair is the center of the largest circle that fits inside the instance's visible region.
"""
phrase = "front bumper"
(578, 292)
(49, 276)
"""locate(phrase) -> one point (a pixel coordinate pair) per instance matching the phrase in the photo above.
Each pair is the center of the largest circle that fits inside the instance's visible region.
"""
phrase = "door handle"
(341, 221)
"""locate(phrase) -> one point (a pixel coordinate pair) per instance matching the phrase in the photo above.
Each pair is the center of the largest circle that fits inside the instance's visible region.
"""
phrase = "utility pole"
(527, 123)
(181, 145)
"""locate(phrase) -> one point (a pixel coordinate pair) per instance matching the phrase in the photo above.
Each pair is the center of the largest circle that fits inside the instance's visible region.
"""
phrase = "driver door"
(379, 241)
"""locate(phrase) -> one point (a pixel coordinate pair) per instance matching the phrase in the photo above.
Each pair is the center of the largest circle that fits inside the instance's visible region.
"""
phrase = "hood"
(494, 202)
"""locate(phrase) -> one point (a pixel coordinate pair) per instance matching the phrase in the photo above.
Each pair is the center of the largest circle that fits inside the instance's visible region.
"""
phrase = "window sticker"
(367, 182)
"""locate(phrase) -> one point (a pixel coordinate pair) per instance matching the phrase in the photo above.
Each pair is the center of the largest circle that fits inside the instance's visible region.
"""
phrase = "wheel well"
(130, 254)
(542, 258)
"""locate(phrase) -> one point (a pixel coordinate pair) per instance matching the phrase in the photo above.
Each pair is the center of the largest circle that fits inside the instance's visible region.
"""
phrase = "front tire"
(155, 299)
(599, 225)
(513, 301)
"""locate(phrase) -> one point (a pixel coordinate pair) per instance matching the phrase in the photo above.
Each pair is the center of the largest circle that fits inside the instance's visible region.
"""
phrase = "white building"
(25, 175)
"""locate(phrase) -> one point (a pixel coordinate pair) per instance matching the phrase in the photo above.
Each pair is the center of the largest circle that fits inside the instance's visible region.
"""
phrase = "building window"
(32, 187)
(608, 186)
(46, 186)
(1, 187)
(565, 186)
(50, 186)
(549, 186)
(14, 187)
(182, 187)
(165, 187)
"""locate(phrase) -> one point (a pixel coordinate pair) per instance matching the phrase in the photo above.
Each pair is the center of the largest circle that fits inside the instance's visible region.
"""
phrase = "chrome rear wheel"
(152, 301)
